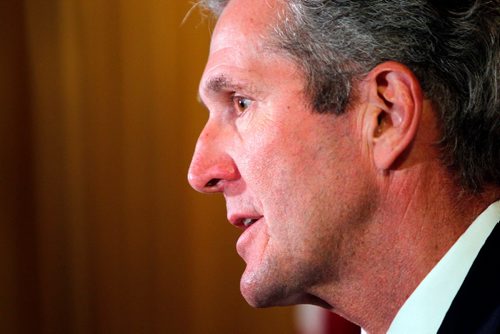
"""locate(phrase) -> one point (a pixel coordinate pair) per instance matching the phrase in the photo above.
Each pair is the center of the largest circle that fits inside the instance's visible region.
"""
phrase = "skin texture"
(346, 205)
(267, 170)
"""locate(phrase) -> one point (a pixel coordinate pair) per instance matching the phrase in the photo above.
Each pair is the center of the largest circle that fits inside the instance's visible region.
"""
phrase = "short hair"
(453, 47)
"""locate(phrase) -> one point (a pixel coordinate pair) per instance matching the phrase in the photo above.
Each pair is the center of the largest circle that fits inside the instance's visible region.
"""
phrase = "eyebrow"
(221, 82)
(216, 84)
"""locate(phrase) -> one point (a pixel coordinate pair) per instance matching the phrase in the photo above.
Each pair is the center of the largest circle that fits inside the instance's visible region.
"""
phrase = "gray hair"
(453, 47)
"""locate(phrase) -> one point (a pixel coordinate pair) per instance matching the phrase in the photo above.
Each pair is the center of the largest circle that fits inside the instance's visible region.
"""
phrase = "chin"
(268, 294)
(254, 295)
(269, 285)
(261, 294)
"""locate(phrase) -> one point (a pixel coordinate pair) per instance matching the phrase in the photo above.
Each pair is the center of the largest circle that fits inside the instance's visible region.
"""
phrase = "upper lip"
(237, 219)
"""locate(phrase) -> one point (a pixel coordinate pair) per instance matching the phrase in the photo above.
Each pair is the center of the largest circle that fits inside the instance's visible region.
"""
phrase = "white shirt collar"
(425, 309)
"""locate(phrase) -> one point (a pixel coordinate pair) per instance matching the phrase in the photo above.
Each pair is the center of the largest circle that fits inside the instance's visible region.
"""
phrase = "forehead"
(241, 51)
(245, 21)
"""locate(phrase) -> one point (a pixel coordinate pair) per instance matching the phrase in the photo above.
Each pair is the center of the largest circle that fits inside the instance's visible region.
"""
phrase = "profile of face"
(294, 180)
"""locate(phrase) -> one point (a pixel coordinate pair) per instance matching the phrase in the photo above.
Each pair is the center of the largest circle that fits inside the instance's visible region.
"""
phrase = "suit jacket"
(476, 307)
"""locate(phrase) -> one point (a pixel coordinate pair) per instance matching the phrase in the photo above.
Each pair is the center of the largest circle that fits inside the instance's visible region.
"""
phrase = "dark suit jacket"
(476, 307)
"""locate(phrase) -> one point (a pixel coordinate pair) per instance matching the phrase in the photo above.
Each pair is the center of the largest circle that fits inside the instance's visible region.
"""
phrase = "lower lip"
(247, 238)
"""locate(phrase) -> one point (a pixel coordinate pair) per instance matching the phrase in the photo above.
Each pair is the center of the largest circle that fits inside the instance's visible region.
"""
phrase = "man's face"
(292, 178)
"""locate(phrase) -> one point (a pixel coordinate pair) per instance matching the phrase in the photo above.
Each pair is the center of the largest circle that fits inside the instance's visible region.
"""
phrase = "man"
(356, 144)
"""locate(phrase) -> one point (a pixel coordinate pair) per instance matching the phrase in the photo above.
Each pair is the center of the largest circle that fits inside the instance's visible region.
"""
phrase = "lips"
(243, 221)
(249, 221)
(250, 243)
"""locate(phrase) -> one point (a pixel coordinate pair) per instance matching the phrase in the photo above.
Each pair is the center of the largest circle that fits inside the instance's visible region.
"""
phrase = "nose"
(211, 166)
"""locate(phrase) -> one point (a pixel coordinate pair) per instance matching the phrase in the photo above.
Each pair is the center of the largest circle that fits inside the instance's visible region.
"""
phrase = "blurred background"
(100, 232)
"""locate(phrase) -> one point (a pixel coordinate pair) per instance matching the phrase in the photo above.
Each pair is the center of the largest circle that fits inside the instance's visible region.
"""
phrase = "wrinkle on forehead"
(246, 21)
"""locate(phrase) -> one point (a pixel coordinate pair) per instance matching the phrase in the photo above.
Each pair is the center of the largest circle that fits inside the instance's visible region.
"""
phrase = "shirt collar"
(425, 309)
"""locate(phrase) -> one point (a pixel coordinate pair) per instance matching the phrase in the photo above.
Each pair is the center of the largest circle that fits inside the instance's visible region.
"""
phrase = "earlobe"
(395, 106)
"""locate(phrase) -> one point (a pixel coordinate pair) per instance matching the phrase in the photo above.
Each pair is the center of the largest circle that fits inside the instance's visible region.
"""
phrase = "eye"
(241, 103)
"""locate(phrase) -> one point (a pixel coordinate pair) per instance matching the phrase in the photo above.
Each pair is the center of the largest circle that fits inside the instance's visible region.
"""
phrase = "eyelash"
(236, 100)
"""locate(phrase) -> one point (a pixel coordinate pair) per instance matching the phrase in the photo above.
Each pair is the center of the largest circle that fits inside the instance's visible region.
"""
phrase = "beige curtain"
(100, 232)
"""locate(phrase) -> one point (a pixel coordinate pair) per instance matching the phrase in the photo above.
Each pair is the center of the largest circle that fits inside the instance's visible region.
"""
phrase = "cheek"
(275, 166)
(286, 178)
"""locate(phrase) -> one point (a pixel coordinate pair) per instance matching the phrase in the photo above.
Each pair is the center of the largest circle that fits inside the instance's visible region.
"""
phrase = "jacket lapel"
(476, 307)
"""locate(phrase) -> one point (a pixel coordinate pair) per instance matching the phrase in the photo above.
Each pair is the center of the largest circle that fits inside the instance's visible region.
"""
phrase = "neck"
(415, 225)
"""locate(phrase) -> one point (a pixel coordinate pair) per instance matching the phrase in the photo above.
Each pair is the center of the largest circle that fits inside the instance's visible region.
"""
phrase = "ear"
(394, 107)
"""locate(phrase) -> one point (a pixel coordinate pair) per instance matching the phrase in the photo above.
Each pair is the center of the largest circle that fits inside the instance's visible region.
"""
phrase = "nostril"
(212, 183)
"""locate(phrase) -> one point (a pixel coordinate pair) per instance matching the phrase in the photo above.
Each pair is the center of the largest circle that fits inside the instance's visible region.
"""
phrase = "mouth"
(247, 222)
(250, 243)
(244, 222)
